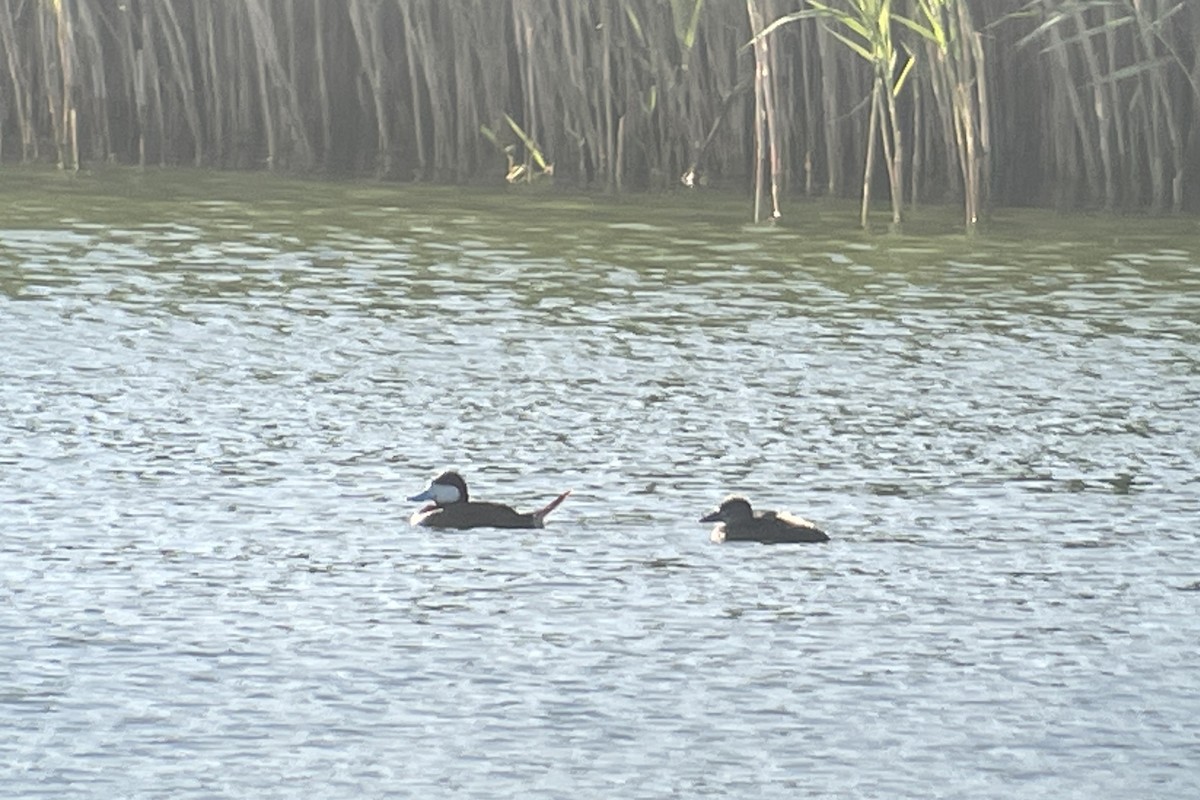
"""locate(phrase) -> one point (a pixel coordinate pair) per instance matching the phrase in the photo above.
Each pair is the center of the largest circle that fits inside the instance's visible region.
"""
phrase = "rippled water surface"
(218, 390)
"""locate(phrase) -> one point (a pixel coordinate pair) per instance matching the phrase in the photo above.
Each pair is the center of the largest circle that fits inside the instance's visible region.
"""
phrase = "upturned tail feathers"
(553, 504)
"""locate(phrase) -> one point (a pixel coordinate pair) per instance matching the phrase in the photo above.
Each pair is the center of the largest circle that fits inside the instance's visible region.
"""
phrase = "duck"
(738, 522)
(451, 508)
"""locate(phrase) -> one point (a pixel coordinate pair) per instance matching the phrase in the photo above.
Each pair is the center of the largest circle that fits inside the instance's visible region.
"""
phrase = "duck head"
(732, 509)
(446, 489)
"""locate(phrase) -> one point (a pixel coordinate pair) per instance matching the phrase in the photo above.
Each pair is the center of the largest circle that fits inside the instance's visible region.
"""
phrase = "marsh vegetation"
(1062, 103)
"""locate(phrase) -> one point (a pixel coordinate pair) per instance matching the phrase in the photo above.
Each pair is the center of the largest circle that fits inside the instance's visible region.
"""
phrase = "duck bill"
(425, 495)
(714, 516)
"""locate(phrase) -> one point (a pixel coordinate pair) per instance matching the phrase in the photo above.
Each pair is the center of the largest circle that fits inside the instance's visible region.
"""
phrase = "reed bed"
(1061, 103)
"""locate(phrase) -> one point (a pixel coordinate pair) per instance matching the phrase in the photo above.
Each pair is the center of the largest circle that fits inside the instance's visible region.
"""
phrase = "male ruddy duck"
(452, 508)
(737, 522)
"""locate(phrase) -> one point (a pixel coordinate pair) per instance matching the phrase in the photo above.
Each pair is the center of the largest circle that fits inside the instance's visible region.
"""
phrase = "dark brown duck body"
(738, 522)
(463, 516)
(452, 508)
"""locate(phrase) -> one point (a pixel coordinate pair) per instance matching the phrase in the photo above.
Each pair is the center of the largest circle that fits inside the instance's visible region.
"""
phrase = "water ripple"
(209, 587)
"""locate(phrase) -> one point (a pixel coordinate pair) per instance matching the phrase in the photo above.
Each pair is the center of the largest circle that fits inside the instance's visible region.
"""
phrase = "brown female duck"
(452, 508)
(738, 522)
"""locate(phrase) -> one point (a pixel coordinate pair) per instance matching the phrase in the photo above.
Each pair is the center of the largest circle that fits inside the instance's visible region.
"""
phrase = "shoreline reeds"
(1059, 103)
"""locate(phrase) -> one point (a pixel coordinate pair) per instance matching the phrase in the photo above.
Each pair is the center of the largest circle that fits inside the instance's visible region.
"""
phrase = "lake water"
(218, 390)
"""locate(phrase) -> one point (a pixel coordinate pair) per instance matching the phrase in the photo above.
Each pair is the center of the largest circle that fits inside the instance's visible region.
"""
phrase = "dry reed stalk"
(181, 70)
(22, 91)
(411, 48)
(1102, 104)
(323, 95)
(829, 67)
(982, 159)
(57, 51)
(761, 74)
(364, 23)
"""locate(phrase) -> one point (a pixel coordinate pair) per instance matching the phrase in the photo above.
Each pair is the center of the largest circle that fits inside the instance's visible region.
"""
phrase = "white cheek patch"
(444, 494)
